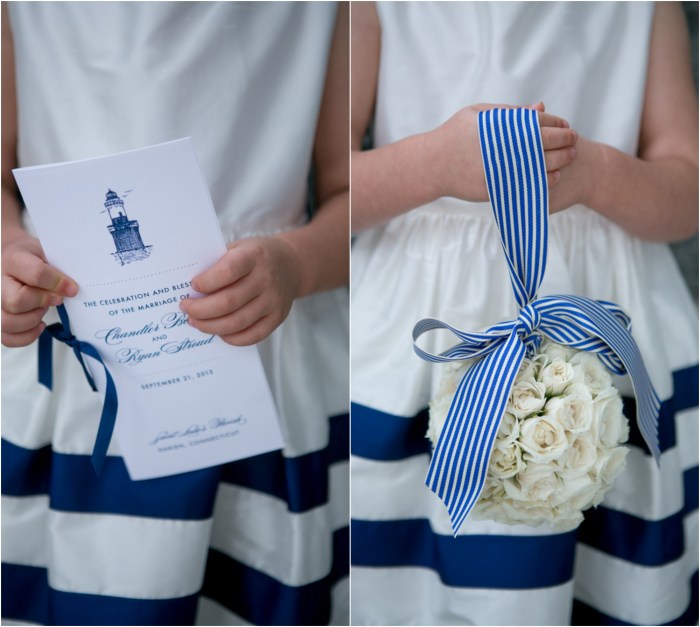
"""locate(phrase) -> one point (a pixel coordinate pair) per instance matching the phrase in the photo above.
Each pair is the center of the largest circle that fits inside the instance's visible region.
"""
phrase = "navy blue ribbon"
(516, 177)
(61, 331)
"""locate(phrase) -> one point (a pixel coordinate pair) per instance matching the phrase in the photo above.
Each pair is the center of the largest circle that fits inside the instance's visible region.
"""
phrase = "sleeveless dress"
(634, 559)
(264, 540)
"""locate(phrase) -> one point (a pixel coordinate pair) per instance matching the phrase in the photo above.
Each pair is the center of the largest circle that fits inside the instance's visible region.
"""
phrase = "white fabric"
(656, 591)
(244, 80)
(292, 564)
(416, 596)
(587, 62)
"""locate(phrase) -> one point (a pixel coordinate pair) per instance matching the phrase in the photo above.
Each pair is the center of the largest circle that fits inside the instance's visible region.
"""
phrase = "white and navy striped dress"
(263, 540)
(634, 559)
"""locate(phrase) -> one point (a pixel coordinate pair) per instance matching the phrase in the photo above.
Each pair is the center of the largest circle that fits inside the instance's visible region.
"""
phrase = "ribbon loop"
(61, 332)
(516, 179)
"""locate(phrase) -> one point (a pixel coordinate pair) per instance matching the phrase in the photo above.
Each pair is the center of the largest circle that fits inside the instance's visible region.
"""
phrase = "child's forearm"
(393, 179)
(654, 200)
(11, 216)
(446, 161)
(321, 247)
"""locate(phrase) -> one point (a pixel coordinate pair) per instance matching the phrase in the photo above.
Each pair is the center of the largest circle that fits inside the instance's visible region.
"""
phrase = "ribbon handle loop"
(516, 178)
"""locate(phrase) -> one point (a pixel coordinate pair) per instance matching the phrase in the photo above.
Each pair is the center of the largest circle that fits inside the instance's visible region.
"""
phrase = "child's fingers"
(224, 301)
(487, 106)
(557, 159)
(22, 322)
(253, 334)
(553, 138)
(553, 178)
(18, 298)
(233, 266)
(31, 270)
(546, 119)
(234, 322)
(14, 340)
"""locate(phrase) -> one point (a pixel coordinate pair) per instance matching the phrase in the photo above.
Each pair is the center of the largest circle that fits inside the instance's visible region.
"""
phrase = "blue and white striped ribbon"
(516, 177)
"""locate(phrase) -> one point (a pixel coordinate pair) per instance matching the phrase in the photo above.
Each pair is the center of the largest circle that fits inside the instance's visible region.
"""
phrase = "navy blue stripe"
(685, 396)
(25, 472)
(465, 561)
(73, 485)
(643, 542)
(690, 490)
(25, 593)
(583, 614)
(300, 481)
(26, 596)
(387, 437)
(263, 600)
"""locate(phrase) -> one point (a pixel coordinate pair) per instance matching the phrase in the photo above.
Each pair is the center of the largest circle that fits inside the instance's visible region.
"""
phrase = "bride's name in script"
(116, 335)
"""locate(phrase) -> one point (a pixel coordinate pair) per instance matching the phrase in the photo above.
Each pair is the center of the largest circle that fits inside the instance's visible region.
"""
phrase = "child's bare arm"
(655, 195)
(250, 290)
(446, 161)
(29, 284)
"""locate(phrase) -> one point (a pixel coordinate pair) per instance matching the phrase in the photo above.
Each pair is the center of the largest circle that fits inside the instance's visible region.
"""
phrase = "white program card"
(133, 229)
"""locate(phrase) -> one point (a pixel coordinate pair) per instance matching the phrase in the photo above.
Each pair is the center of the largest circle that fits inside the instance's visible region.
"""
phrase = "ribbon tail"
(106, 427)
(615, 334)
(108, 417)
(459, 465)
(86, 372)
(46, 359)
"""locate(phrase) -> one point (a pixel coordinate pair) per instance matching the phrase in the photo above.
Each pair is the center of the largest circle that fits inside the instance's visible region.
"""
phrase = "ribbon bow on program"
(61, 331)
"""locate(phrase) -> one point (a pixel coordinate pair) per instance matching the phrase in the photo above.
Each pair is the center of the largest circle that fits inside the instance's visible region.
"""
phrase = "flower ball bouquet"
(558, 448)
(526, 430)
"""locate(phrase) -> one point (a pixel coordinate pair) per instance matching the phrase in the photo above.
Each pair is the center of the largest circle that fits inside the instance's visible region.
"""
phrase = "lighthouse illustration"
(125, 232)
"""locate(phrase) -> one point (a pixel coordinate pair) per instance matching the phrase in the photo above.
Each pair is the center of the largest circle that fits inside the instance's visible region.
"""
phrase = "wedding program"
(133, 229)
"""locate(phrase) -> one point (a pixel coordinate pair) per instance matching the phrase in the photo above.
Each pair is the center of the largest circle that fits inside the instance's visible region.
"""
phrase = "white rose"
(526, 512)
(603, 489)
(506, 460)
(530, 367)
(609, 465)
(526, 398)
(488, 510)
(552, 351)
(439, 407)
(591, 372)
(452, 373)
(556, 376)
(567, 522)
(542, 439)
(576, 494)
(611, 426)
(580, 456)
(490, 503)
(573, 411)
(508, 430)
(537, 483)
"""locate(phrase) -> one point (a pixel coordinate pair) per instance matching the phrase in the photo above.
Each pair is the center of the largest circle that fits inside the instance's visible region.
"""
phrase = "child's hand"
(461, 152)
(248, 292)
(575, 183)
(29, 287)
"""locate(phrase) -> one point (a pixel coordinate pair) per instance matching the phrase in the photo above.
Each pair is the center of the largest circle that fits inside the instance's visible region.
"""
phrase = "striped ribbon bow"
(61, 331)
(516, 177)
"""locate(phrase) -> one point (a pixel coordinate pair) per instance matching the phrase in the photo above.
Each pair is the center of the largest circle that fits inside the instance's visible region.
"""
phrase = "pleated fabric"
(263, 540)
(634, 559)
